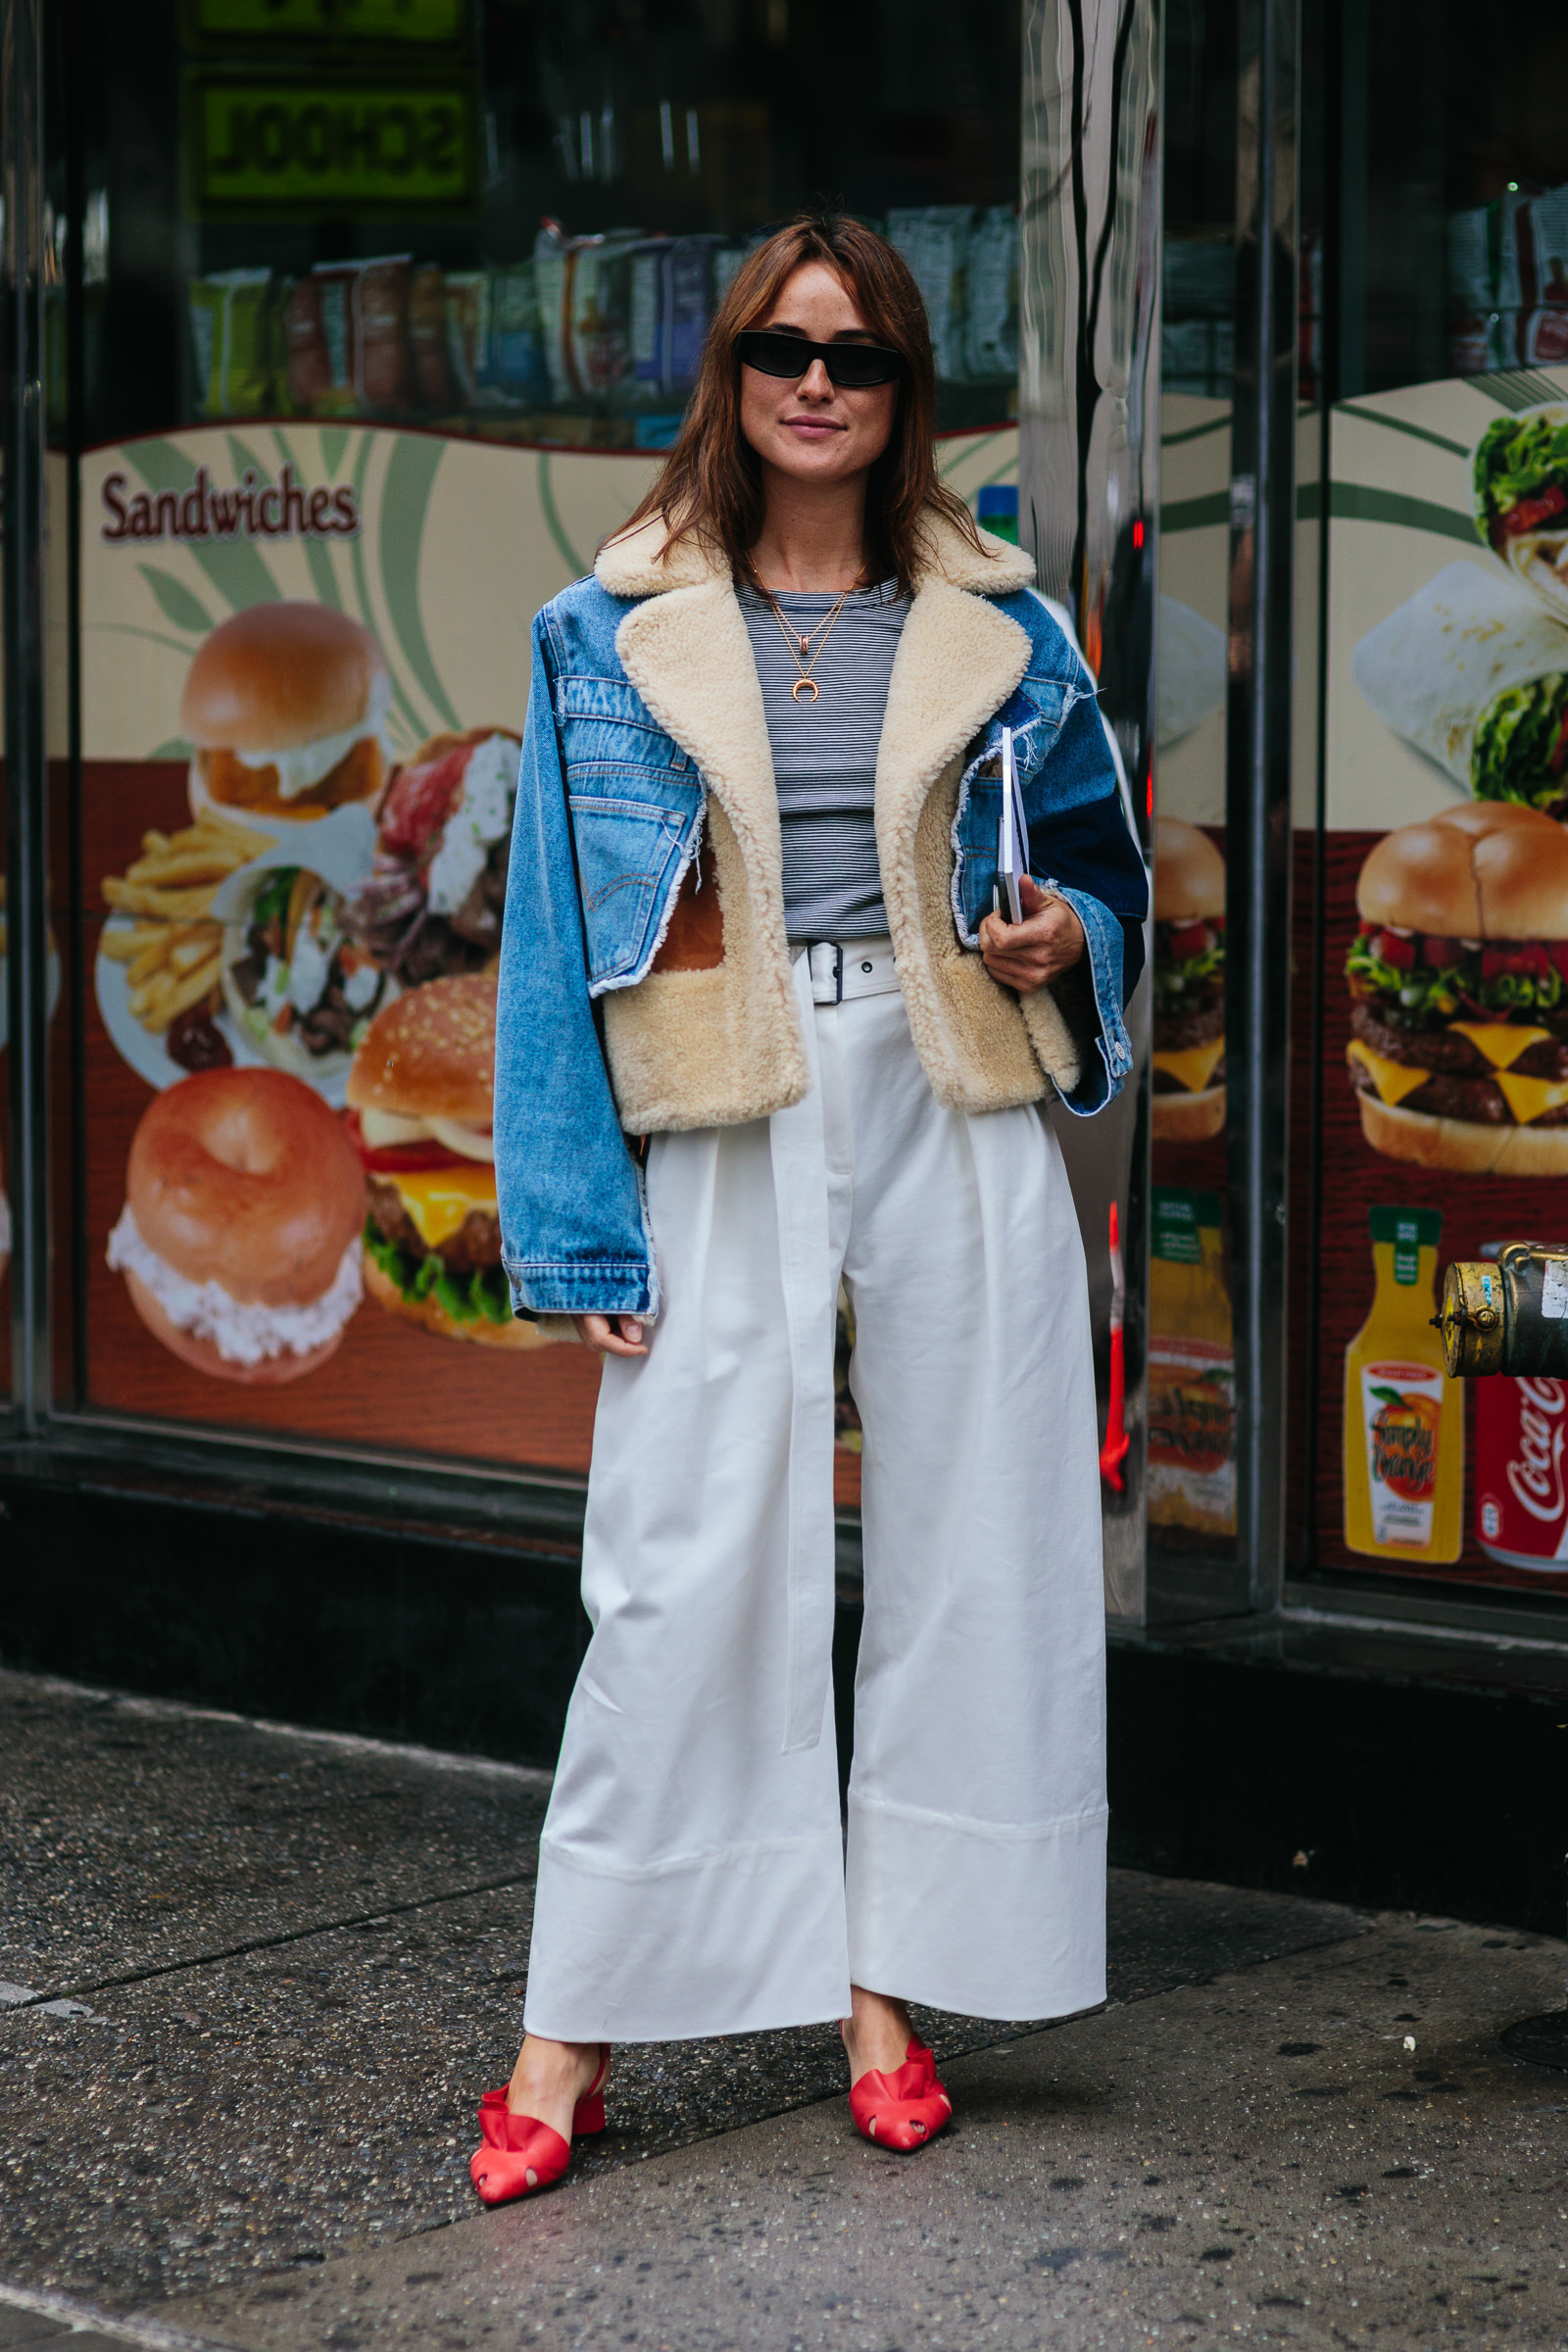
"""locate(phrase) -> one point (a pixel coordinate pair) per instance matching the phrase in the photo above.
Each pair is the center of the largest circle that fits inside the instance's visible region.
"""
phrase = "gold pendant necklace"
(805, 683)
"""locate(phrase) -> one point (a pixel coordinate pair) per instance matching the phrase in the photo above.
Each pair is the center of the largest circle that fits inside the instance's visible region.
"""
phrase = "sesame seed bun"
(432, 1053)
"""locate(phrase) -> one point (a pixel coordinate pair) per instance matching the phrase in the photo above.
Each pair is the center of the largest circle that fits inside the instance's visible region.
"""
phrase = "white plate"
(150, 1057)
(339, 847)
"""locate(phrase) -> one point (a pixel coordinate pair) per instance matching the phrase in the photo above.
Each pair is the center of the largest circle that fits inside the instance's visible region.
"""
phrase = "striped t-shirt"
(824, 753)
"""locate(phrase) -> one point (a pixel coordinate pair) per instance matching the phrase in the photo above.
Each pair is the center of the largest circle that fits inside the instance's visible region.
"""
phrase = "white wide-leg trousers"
(693, 1877)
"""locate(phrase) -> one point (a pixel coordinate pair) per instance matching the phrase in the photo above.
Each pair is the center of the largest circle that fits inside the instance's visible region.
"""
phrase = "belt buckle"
(836, 998)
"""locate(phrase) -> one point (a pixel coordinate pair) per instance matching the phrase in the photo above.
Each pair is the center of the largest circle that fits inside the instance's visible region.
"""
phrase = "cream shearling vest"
(709, 1035)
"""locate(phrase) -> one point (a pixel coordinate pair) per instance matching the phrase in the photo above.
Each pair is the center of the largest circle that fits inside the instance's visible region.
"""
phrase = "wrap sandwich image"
(1519, 487)
(303, 990)
(1473, 671)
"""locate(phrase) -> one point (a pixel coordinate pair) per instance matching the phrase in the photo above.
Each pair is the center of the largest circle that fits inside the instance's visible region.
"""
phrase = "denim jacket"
(645, 980)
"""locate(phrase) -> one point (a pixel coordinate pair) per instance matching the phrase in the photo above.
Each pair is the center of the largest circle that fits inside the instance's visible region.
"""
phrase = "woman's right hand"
(611, 1335)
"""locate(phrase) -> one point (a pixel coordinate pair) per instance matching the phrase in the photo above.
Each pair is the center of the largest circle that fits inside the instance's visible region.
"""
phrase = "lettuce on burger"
(422, 1100)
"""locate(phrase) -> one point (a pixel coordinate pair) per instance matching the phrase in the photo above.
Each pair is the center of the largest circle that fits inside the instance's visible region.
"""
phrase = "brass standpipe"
(1508, 1316)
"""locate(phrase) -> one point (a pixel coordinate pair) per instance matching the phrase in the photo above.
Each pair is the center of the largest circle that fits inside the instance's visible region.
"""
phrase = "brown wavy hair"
(710, 487)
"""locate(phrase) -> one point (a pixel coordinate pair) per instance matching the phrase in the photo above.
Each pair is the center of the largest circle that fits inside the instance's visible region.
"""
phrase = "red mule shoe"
(905, 2109)
(520, 2154)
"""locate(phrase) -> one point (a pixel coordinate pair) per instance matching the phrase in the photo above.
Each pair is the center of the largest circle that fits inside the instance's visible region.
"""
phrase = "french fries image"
(172, 950)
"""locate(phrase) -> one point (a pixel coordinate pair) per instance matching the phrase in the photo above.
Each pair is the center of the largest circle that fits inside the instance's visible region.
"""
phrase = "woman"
(761, 1033)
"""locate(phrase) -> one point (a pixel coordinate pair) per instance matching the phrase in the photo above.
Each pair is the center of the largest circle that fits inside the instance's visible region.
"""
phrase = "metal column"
(1258, 812)
(1088, 501)
(25, 770)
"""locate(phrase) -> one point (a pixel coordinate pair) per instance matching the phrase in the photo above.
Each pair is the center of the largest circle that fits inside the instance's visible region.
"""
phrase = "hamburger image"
(285, 705)
(433, 903)
(1458, 1047)
(1188, 981)
(422, 1099)
(239, 1240)
(302, 990)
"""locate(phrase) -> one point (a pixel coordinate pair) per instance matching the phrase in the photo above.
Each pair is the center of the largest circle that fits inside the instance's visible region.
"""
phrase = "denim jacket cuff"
(604, 1287)
(1093, 1006)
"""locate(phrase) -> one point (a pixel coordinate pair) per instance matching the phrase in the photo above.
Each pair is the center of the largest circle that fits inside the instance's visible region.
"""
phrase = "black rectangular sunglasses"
(850, 365)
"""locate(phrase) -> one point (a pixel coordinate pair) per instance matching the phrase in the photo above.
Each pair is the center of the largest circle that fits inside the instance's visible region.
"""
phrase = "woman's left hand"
(1046, 944)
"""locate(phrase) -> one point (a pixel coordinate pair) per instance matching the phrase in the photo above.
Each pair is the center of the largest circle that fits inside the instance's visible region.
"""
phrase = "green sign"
(1410, 1230)
(384, 22)
(329, 148)
(1178, 1222)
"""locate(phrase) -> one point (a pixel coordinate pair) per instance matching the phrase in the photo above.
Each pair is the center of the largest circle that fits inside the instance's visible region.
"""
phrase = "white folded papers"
(1013, 839)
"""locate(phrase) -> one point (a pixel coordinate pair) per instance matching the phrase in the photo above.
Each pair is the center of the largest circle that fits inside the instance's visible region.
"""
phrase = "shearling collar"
(634, 566)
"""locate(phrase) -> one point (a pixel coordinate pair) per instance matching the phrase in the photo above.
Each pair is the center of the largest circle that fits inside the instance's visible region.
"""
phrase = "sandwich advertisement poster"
(1445, 963)
(305, 677)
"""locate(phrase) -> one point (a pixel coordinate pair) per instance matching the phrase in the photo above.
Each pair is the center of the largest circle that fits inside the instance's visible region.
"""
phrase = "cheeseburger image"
(433, 903)
(420, 1104)
(284, 705)
(239, 1240)
(1188, 978)
(1458, 1048)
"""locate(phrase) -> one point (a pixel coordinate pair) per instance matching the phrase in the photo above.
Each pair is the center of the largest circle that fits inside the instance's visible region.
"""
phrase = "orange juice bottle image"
(1403, 1416)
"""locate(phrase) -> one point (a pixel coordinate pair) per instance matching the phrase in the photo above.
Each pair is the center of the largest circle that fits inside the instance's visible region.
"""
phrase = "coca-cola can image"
(1522, 1467)
(1521, 1478)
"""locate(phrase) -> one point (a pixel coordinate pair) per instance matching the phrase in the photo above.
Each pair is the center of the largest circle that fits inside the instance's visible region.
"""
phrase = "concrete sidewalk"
(255, 1978)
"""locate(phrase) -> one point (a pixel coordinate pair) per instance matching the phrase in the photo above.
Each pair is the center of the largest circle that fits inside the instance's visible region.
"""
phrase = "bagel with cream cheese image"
(285, 705)
(1458, 1048)
(239, 1240)
(421, 1102)
(1188, 981)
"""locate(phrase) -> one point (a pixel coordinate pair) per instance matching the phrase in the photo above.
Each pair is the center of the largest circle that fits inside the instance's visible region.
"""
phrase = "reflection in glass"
(515, 221)
(1192, 1435)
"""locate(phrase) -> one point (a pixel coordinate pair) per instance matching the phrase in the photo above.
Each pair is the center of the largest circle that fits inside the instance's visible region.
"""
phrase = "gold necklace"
(794, 638)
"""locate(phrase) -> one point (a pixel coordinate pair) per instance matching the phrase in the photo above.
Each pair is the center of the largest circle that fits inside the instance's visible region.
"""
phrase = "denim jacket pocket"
(627, 855)
(633, 796)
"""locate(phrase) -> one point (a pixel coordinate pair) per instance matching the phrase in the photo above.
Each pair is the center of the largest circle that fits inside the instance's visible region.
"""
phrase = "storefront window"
(1441, 942)
(513, 220)
(384, 312)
